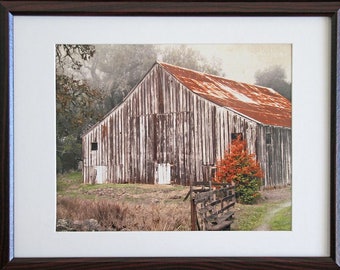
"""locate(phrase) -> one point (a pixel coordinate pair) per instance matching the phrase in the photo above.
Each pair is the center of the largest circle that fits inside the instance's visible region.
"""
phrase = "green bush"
(240, 168)
(247, 189)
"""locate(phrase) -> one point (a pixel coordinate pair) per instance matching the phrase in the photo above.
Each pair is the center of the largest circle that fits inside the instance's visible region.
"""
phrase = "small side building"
(176, 123)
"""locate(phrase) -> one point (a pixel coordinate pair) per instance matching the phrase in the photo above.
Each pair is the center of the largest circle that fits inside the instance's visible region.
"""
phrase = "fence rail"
(212, 206)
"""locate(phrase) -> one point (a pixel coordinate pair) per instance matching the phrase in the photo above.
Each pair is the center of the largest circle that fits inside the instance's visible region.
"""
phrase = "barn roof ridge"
(217, 76)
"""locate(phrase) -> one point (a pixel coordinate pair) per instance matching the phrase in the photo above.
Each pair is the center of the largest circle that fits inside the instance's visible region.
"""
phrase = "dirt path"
(265, 224)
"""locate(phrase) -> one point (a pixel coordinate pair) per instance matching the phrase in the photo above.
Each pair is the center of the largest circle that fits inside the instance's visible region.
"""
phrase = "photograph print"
(173, 137)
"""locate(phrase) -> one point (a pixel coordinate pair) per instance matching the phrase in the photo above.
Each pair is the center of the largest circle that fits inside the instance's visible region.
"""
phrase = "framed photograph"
(155, 131)
(202, 64)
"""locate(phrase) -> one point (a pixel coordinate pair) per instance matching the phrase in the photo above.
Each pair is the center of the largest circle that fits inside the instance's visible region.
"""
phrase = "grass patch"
(282, 220)
(249, 217)
(66, 181)
(258, 216)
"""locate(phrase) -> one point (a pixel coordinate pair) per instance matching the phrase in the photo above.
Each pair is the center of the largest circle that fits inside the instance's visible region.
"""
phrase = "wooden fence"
(212, 206)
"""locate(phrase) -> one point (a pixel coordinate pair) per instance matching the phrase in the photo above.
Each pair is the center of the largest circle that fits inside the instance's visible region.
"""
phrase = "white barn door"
(163, 174)
(101, 174)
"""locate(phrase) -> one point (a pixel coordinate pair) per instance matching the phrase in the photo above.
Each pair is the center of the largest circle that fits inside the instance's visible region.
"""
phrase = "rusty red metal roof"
(259, 103)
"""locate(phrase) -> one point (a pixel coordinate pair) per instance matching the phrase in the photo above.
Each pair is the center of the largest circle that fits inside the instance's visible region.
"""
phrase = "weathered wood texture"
(163, 122)
(274, 152)
(213, 208)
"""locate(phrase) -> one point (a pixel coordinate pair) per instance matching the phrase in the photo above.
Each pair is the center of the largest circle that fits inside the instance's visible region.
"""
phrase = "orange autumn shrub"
(240, 168)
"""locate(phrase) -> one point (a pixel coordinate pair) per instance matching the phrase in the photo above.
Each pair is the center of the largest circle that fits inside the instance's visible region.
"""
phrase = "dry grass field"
(121, 207)
(138, 207)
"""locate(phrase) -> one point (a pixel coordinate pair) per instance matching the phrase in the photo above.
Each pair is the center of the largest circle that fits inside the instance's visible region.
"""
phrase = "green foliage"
(68, 153)
(77, 108)
(77, 104)
(247, 189)
(240, 168)
(282, 221)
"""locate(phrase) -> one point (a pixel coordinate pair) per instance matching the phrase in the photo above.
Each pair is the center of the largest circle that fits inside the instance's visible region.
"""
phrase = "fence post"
(193, 215)
(193, 210)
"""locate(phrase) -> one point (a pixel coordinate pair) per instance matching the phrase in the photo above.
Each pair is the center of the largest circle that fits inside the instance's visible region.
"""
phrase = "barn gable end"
(166, 132)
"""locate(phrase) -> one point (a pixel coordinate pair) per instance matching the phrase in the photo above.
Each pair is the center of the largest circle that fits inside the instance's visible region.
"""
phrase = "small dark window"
(234, 136)
(268, 138)
(94, 146)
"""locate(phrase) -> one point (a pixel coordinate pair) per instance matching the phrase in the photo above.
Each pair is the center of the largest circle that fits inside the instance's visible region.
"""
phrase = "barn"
(176, 123)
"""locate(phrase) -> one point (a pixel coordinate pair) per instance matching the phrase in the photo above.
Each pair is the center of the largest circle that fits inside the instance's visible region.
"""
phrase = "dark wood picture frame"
(8, 9)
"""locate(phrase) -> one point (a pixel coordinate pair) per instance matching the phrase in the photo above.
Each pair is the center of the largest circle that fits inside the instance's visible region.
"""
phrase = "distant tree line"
(275, 78)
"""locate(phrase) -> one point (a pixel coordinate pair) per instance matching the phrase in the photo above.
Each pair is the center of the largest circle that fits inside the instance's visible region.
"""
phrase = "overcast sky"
(241, 61)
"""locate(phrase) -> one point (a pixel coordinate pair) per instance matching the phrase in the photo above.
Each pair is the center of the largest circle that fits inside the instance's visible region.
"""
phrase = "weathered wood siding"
(274, 152)
(162, 122)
